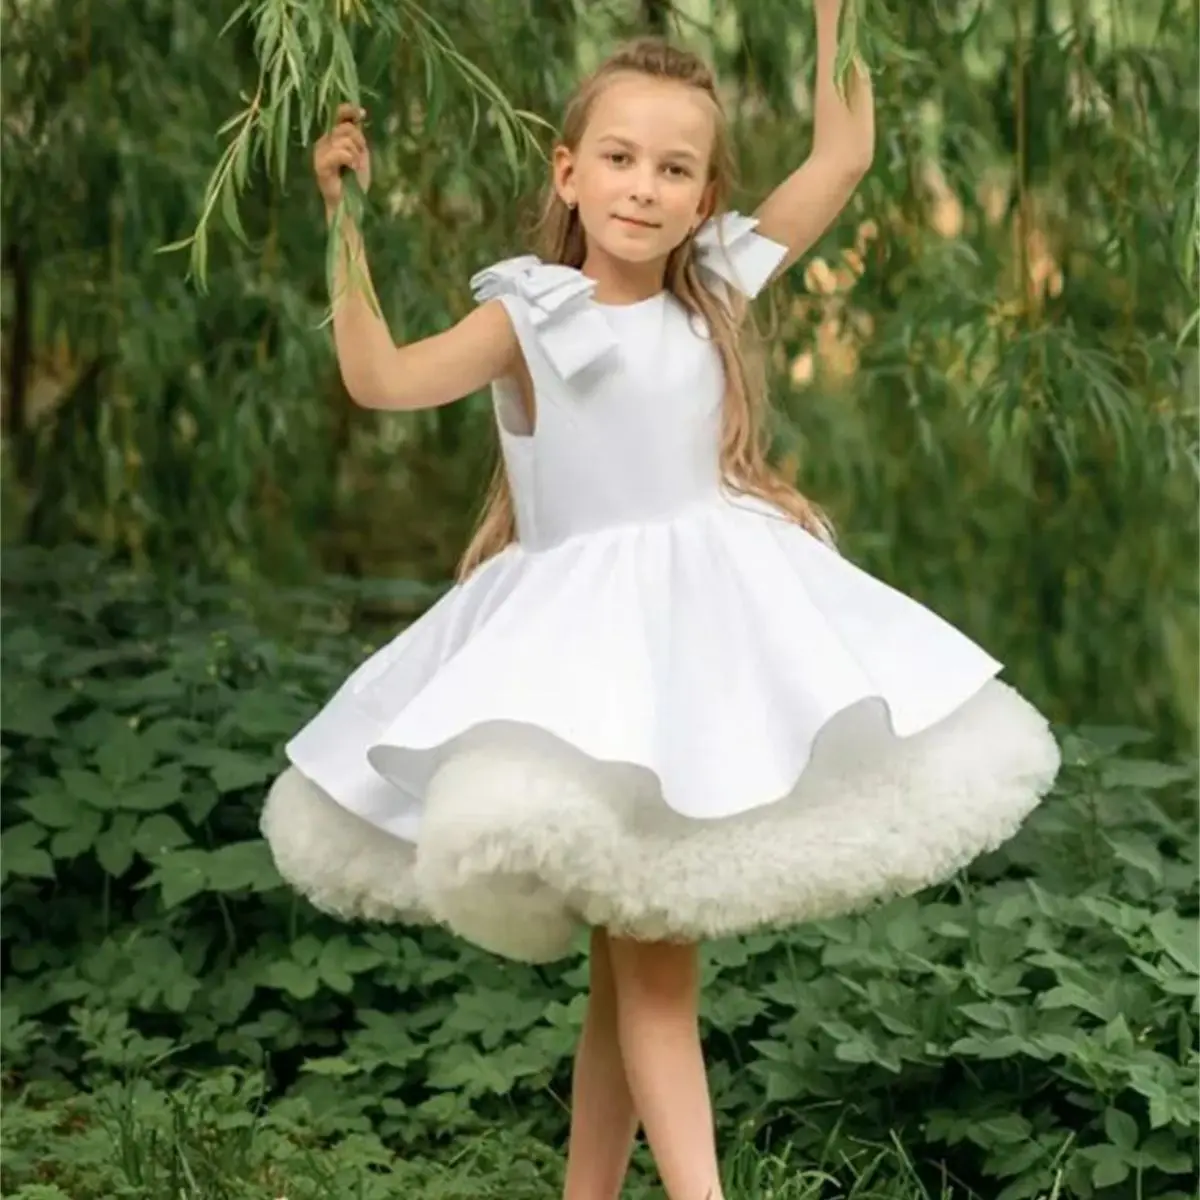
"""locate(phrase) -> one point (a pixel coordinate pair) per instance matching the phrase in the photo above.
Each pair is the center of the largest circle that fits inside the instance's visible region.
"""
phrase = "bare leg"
(603, 1121)
(657, 1001)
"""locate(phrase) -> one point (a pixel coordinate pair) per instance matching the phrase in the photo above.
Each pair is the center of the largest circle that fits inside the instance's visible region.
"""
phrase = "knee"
(659, 973)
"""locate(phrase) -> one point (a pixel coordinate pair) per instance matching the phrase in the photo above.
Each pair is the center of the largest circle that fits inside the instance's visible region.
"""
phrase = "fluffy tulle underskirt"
(523, 839)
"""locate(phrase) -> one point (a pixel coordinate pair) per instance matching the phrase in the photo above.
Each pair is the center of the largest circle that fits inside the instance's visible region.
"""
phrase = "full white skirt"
(679, 730)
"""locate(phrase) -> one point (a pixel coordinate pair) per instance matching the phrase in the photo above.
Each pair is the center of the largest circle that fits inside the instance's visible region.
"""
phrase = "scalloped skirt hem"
(523, 841)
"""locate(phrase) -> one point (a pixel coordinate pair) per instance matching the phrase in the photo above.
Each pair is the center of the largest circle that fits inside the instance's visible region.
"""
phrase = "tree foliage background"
(987, 371)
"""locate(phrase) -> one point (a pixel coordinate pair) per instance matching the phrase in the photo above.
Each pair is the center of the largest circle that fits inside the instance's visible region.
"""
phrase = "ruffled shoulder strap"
(558, 301)
(729, 251)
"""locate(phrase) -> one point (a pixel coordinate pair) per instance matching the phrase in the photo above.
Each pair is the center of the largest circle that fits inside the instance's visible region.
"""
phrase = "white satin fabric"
(672, 657)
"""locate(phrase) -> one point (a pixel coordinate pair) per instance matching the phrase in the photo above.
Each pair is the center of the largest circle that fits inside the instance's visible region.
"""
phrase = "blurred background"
(983, 371)
(986, 372)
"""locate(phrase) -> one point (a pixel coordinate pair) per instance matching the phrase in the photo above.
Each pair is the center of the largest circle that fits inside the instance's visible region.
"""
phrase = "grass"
(211, 1140)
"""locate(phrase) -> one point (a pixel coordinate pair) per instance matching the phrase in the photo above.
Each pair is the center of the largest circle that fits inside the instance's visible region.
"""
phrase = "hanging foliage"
(985, 371)
(307, 66)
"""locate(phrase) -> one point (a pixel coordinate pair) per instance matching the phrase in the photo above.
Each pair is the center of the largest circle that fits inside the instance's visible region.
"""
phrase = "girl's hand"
(344, 148)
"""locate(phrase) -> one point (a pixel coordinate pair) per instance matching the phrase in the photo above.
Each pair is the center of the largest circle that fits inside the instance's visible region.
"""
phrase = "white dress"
(666, 709)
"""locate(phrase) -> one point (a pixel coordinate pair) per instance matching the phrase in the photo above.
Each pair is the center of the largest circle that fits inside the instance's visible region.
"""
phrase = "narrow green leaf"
(282, 135)
(229, 210)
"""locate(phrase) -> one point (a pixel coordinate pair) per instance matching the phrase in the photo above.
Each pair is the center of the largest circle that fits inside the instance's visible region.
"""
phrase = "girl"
(658, 704)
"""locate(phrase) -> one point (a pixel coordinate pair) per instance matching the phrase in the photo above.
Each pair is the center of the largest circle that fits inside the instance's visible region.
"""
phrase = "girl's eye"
(678, 171)
(618, 158)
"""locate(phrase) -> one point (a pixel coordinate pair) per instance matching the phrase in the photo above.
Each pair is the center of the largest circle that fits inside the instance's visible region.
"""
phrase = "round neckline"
(630, 304)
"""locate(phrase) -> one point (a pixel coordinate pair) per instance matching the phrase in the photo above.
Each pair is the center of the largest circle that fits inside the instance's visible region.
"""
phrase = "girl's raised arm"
(808, 201)
(377, 373)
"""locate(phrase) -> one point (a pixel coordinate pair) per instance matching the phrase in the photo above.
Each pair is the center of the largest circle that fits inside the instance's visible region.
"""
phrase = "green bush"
(1031, 1026)
(1001, 402)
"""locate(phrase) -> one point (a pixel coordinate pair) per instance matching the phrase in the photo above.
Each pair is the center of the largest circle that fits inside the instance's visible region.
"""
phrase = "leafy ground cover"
(176, 1024)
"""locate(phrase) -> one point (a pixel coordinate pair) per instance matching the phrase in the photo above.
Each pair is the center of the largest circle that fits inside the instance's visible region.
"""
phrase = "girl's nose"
(644, 187)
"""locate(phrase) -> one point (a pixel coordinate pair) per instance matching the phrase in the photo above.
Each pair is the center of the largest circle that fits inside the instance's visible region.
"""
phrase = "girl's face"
(639, 175)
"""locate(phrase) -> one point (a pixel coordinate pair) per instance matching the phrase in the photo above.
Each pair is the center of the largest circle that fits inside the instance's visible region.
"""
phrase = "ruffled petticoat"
(624, 731)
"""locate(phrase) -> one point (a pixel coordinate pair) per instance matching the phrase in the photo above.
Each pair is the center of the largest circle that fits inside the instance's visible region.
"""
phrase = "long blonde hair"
(561, 239)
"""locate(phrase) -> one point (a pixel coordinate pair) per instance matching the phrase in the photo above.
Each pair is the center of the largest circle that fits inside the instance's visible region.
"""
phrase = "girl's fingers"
(348, 135)
(336, 159)
(344, 147)
(349, 112)
(350, 151)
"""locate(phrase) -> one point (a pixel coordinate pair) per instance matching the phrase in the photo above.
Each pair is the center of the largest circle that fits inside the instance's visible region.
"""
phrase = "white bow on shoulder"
(574, 333)
(728, 248)
(558, 299)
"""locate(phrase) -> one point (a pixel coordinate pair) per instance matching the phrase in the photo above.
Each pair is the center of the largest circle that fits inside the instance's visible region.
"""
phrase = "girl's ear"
(708, 203)
(563, 163)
